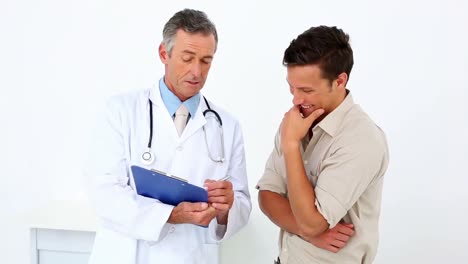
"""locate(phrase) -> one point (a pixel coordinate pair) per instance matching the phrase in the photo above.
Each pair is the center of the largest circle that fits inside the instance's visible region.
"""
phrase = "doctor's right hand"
(192, 213)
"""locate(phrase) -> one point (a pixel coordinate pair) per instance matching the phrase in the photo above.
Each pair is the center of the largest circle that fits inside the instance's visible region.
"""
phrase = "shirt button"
(305, 162)
(171, 230)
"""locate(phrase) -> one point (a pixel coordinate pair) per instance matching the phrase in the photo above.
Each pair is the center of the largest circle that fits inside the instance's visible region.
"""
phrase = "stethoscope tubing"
(147, 156)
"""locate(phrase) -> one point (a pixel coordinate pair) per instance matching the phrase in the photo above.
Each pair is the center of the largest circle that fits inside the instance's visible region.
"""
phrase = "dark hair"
(189, 20)
(327, 47)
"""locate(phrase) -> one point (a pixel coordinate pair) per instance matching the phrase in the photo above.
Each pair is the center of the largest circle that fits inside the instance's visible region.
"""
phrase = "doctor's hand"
(294, 127)
(333, 239)
(221, 197)
(192, 213)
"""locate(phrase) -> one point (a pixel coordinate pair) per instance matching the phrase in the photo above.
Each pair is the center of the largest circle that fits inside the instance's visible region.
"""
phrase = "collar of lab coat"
(196, 123)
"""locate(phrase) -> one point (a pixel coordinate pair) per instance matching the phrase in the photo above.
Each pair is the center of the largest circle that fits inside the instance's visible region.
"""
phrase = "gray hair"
(190, 21)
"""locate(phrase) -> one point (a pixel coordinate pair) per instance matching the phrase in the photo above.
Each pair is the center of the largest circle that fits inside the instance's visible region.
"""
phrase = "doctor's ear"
(163, 54)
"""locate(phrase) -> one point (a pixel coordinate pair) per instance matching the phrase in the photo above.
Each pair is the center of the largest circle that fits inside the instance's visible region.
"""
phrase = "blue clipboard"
(167, 189)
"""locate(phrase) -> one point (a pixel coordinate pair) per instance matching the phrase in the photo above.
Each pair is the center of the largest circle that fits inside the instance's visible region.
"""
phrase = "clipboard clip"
(171, 176)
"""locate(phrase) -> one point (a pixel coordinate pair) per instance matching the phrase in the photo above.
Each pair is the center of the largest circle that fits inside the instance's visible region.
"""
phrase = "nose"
(297, 97)
(195, 69)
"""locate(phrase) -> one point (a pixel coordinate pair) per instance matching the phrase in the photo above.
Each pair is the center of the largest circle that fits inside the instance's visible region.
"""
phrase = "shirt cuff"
(330, 208)
(270, 187)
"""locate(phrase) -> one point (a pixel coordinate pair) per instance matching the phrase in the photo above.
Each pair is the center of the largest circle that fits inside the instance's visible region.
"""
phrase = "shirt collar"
(172, 102)
(333, 120)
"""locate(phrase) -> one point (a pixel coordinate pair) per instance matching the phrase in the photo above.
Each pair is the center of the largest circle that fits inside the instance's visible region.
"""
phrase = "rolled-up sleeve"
(273, 179)
(346, 174)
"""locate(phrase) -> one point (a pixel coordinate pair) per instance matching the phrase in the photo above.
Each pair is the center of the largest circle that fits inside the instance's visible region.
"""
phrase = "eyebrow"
(302, 87)
(193, 53)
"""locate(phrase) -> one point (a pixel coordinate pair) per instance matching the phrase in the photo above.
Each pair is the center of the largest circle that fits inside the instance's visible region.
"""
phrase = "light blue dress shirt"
(173, 103)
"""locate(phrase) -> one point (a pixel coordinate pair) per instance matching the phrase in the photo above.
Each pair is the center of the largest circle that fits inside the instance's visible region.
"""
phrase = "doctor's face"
(311, 91)
(186, 68)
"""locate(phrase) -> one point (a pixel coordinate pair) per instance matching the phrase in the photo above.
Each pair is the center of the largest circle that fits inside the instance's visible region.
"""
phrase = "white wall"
(60, 59)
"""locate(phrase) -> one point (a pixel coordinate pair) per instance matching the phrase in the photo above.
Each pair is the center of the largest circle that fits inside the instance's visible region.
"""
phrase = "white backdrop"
(59, 60)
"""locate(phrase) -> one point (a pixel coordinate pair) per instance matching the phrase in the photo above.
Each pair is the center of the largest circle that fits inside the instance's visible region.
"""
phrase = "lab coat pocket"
(211, 252)
(216, 170)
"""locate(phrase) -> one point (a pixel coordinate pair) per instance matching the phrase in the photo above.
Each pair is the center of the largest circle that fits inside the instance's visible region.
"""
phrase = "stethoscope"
(148, 157)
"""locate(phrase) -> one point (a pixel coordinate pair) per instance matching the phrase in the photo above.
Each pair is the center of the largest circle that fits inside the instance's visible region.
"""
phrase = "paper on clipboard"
(167, 189)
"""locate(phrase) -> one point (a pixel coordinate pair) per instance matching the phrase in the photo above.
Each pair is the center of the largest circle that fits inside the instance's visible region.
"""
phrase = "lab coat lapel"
(162, 116)
(193, 125)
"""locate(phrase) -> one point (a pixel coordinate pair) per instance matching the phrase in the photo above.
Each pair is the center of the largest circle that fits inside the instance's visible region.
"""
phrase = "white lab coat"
(133, 228)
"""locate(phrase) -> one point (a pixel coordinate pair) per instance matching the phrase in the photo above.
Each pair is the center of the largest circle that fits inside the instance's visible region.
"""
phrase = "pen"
(225, 178)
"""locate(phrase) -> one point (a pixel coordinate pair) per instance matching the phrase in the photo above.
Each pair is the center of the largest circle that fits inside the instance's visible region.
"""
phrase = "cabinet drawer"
(64, 240)
(60, 257)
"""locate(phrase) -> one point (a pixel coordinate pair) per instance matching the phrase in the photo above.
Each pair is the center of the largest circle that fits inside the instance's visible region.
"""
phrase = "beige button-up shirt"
(345, 161)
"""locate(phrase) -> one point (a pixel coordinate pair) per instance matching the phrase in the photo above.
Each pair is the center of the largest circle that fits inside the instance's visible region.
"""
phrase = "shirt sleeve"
(347, 173)
(273, 180)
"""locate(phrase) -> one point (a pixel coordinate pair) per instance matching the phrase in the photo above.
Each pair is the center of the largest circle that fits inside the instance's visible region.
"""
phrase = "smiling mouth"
(306, 106)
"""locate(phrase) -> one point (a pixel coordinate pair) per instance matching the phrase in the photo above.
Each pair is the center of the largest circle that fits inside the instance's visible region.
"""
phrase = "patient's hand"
(333, 239)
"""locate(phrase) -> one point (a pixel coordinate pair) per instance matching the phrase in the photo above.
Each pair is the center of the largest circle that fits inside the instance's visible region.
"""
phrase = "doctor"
(205, 148)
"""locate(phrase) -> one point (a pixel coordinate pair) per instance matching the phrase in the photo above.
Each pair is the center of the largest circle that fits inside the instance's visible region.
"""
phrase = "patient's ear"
(340, 81)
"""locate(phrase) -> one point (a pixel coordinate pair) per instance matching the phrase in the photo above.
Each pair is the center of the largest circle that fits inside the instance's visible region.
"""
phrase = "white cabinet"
(62, 234)
(50, 246)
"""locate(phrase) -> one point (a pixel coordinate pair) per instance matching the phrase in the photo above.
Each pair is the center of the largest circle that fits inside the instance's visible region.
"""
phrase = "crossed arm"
(298, 213)
(278, 209)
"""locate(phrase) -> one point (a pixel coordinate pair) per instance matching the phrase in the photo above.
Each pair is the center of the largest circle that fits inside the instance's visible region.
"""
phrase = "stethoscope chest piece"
(147, 158)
